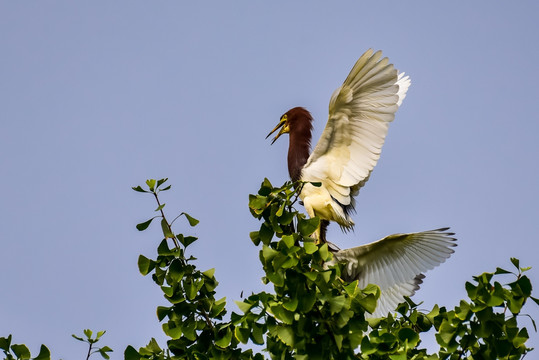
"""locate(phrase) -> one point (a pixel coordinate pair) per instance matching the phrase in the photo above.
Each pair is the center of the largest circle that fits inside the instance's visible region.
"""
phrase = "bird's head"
(294, 120)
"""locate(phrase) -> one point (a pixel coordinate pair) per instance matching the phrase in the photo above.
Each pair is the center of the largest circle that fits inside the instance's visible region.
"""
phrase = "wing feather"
(359, 115)
(395, 262)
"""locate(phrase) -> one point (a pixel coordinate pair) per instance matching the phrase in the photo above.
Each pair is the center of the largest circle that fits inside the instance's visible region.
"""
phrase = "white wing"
(395, 263)
(359, 115)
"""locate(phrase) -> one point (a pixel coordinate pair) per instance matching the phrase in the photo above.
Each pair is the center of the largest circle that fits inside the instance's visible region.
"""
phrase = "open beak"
(284, 129)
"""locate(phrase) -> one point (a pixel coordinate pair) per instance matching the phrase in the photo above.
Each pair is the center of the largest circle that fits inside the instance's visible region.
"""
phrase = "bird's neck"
(298, 152)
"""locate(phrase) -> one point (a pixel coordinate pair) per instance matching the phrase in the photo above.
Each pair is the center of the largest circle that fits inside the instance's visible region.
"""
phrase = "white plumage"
(395, 263)
(359, 115)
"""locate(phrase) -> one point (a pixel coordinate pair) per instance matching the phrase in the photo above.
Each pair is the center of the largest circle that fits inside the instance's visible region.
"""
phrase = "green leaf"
(139, 189)
(276, 278)
(21, 351)
(255, 237)
(167, 290)
(268, 253)
(311, 275)
(265, 187)
(257, 334)
(407, 334)
(243, 306)
(188, 240)
(307, 226)
(224, 341)
(291, 304)
(279, 212)
(500, 271)
(161, 182)
(525, 285)
(288, 240)
(154, 347)
(151, 184)
(218, 307)
(209, 273)
(242, 335)
(145, 265)
(463, 310)
(398, 356)
(324, 252)
(78, 338)
(337, 303)
(265, 233)
(515, 262)
(521, 338)
(189, 328)
(5, 343)
(44, 353)
(103, 352)
(131, 354)
(166, 188)
(144, 225)
(307, 301)
(162, 312)
(166, 229)
(192, 220)
(160, 207)
(88, 333)
(257, 203)
(367, 348)
(368, 303)
(310, 247)
(285, 334)
(170, 329)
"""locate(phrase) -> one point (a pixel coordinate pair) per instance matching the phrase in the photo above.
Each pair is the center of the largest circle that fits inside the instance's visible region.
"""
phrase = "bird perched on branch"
(360, 112)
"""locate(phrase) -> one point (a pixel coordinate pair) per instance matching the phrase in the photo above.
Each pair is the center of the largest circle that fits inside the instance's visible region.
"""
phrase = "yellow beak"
(284, 129)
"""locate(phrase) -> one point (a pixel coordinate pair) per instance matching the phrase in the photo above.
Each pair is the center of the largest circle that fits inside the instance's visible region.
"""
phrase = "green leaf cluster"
(193, 318)
(487, 326)
(313, 314)
(309, 312)
(103, 351)
(21, 351)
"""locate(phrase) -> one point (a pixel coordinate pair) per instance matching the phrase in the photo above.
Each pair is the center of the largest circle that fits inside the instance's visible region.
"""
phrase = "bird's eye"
(284, 117)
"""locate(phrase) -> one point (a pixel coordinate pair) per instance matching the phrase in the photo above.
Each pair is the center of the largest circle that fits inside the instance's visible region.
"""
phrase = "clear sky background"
(97, 97)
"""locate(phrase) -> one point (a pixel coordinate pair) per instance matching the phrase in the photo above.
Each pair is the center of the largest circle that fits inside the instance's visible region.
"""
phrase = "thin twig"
(207, 318)
(89, 351)
(163, 215)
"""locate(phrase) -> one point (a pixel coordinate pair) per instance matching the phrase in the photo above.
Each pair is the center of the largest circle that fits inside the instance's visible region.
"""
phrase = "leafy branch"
(103, 351)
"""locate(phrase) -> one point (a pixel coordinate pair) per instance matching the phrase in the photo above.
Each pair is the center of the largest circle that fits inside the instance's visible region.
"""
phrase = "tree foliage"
(308, 312)
(311, 313)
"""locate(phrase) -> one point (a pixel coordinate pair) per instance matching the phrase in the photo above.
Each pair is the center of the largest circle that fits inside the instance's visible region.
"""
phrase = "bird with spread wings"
(330, 177)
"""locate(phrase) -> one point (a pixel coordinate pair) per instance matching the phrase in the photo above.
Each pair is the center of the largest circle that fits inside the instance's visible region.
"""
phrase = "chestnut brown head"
(297, 121)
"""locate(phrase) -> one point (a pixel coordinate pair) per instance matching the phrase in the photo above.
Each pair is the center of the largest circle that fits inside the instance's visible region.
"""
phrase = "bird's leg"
(323, 230)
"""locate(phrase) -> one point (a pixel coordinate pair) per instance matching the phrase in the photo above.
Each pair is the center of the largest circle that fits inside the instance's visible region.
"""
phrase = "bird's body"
(360, 112)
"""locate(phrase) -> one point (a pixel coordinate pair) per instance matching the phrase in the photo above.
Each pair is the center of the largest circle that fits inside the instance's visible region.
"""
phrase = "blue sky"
(96, 97)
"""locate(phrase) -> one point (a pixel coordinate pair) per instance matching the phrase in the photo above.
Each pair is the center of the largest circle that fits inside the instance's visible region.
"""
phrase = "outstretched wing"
(395, 263)
(359, 115)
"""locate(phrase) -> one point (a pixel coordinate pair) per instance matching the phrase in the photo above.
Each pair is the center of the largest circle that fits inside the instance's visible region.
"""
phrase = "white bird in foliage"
(395, 263)
(360, 112)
